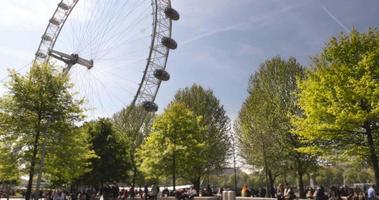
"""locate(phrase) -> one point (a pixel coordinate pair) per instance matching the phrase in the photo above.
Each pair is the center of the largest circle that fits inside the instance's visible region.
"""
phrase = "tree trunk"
(269, 192)
(267, 181)
(134, 170)
(301, 184)
(32, 164)
(196, 184)
(134, 176)
(267, 171)
(8, 188)
(300, 174)
(173, 169)
(373, 156)
(40, 170)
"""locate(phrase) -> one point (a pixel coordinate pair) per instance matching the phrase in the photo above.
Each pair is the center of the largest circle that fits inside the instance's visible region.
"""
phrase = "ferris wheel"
(115, 51)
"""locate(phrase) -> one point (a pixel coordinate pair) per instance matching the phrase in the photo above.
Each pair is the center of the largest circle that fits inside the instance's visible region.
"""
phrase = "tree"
(204, 103)
(135, 124)
(340, 98)
(256, 145)
(112, 161)
(265, 120)
(175, 146)
(9, 171)
(37, 107)
(70, 159)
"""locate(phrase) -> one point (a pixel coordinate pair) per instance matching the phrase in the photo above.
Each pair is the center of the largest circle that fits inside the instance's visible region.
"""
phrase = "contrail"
(335, 19)
(240, 25)
(207, 34)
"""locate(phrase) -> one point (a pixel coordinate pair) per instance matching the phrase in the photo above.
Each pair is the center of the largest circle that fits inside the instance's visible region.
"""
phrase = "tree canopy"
(112, 159)
(177, 143)
(69, 160)
(264, 122)
(204, 103)
(38, 108)
(9, 168)
(134, 123)
(340, 98)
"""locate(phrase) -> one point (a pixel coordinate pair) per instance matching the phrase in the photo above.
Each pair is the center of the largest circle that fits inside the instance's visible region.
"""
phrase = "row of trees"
(42, 132)
(297, 118)
(294, 120)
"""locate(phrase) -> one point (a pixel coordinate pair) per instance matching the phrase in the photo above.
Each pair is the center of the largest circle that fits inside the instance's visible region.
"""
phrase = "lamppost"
(234, 162)
(174, 162)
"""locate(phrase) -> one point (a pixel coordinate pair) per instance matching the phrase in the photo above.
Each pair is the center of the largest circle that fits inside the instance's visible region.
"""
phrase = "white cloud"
(25, 14)
(18, 54)
(33, 15)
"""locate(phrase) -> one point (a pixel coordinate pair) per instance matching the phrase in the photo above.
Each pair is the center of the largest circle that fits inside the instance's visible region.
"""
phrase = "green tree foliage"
(37, 107)
(358, 174)
(227, 180)
(204, 103)
(9, 169)
(135, 124)
(70, 159)
(340, 98)
(329, 176)
(112, 161)
(346, 172)
(175, 143)
(264, 122)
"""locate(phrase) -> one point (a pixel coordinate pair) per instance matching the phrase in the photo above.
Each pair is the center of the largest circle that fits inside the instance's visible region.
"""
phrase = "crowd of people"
(333, 193)
(251, 192)
(144, 193)
(4, 193)
(113, 192)
(282, 192)
(338, 193)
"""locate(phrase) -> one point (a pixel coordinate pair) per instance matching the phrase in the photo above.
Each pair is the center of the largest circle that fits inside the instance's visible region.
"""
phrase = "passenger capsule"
(169, 43)
(162, 75)
(41, 55)
(47, 38)
(63, 6)
(171, 13)
(54, 21)
(150, 106)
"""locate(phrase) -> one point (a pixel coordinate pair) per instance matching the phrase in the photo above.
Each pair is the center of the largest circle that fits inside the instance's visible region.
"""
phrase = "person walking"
(371, 193)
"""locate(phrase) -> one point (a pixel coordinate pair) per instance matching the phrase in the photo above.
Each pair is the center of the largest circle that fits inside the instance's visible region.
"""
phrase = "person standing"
(132, 193)
(191, 193)
(146, 192)
(245, 191)
(320, 194)
(280, 192)
(110, 191)
(155, 191)
(371, 193)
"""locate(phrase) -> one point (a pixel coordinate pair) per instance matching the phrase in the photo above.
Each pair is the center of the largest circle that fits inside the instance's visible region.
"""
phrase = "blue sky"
(221, 42)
